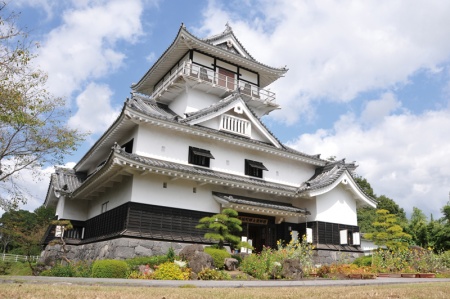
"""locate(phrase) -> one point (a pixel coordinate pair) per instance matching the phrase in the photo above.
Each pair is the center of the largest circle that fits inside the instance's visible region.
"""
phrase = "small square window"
(254, 168)
(200, 157)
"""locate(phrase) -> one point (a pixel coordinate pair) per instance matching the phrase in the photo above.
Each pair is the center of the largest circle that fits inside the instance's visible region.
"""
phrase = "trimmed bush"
(218, 255)
(213, 274)
(363, 261)
(171, 271)
(109, 269)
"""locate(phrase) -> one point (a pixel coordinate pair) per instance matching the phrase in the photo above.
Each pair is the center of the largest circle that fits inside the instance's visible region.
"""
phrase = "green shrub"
(109, 269)
(171, 271)
(79, 269)
(445, 259)
(218, 255)
(152, 261)
(59, 271)
(5, 267)
(20, 269)
(82, 269)
(237, 257)
(363, 261)
(212, 274)
(170, 255)
(256, 266)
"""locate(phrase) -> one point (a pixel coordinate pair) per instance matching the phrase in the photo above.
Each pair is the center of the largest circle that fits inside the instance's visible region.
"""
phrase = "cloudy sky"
(368, 81)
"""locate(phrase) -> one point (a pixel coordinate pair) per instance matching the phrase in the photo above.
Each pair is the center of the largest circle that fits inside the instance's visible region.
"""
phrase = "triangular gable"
(233, 116)
(346, 180)
(228, 41)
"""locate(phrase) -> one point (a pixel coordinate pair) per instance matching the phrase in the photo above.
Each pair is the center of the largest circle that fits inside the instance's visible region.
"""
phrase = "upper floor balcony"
(221, 83)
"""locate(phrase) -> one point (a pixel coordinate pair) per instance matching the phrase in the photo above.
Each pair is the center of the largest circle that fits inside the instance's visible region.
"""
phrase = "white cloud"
(404, 157)
(84, 46)
(376, 110)
(94, 113)
(337, 49)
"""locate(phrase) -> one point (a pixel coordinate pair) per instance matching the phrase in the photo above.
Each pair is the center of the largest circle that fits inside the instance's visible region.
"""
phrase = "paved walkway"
(214, 284)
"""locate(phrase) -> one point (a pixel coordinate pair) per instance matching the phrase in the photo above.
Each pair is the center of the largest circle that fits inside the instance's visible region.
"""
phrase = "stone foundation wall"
(327, 257)
(122, 248)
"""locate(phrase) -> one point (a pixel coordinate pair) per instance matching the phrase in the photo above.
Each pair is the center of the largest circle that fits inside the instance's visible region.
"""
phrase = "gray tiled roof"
(152, 109)
(192, 170)
(327, 175)
(211, 109)
(66, 180)
(260, 203)
(228, 32)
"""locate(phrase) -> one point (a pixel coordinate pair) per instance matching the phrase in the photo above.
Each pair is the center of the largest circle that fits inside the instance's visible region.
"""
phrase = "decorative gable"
(228, 41)
(233, 116)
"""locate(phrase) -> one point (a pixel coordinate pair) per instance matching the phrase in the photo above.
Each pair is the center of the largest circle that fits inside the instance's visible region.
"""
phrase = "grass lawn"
(60, 291)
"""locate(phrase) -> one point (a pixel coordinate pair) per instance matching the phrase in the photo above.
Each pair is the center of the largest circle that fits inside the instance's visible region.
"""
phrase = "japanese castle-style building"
(188, 143)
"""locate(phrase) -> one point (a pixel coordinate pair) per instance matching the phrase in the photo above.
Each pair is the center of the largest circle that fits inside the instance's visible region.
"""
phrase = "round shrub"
(363, 261)
(109, 269)
(171, 271)
(218, 255)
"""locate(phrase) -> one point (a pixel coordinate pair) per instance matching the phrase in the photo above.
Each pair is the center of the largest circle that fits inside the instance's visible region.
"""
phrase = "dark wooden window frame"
(254, 168)
(199, 157)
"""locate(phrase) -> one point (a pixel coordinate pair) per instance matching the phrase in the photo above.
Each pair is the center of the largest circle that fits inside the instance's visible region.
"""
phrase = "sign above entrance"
(253, 220)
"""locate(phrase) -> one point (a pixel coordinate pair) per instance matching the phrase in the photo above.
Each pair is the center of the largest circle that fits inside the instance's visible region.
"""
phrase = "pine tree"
(222, 227)
(388, 232)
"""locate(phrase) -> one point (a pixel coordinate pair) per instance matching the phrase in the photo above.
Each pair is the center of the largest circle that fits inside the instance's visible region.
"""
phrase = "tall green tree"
(33, 130)
(442, 234)
(222, 227)
(23, 230)
(388, 232)
(367, 215)
(418, 228)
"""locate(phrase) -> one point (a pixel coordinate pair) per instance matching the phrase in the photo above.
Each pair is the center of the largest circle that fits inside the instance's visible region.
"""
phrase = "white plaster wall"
(154, 142)
(192, 100)
(248, 76)
(116, 196)
(60, 207)
(213, 123)
(336, 206)
(203, 59)
(179, 193)
(75, 209)
(227, 66)
(179, 104)
(310, 205)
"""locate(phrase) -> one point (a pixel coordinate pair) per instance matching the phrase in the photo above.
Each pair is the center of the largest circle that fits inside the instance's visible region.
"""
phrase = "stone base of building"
(121, 248)
(327, 257)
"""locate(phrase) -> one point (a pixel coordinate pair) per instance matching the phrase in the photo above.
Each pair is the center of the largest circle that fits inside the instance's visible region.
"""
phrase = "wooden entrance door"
(226, 79)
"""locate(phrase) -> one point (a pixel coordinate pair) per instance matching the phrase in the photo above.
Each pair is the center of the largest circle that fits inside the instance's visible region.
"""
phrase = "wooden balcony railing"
(216, 80)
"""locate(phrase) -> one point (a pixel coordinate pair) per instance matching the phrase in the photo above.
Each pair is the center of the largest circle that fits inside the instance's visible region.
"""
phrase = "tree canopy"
(222, 227)
(21, 231)
(33, 130)
(387, 231)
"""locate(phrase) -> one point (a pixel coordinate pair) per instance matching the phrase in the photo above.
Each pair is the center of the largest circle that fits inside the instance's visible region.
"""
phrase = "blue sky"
(368, 81)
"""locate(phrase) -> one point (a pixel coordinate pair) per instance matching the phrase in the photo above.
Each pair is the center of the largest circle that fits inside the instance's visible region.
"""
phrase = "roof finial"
(228, 27)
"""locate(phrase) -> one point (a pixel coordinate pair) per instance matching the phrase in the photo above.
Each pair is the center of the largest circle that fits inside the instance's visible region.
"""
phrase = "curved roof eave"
(100, 143)
(347, 180)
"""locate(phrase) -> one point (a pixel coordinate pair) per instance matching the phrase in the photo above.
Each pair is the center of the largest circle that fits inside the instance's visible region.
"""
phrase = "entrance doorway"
(260, 231)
